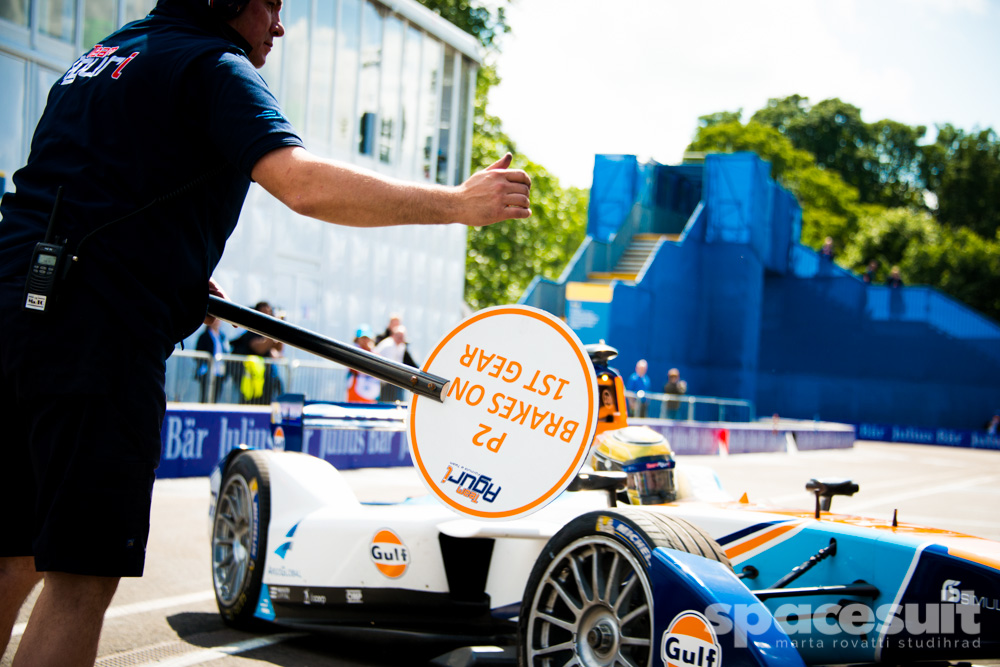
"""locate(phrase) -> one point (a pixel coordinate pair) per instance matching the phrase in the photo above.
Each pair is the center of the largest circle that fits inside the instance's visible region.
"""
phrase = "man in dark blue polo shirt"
(152, 138)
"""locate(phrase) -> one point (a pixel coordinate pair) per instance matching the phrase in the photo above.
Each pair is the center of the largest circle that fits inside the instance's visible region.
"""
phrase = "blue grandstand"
(699, 267)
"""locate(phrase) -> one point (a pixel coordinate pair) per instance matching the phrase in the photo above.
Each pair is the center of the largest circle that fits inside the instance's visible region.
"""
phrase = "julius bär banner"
(518, 416)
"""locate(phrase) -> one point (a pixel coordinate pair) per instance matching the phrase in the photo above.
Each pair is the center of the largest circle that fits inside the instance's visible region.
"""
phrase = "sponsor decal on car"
(279, 593)
(265, 609)
(612, 526)
(285, 547)
(255, 518)
(312, 598)
(353, 596)
(282, 571)
(389, 554)
(690, 641)
(950, 592)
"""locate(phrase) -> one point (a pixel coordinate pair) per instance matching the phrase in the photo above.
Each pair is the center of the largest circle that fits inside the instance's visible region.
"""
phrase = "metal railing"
(191, 378)
(694, 408)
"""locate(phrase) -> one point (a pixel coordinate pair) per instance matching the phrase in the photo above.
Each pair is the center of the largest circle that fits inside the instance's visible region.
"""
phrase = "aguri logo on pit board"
(690, 641)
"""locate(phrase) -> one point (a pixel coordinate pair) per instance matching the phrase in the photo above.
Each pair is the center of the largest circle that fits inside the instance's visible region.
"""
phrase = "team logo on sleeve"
(690, 641)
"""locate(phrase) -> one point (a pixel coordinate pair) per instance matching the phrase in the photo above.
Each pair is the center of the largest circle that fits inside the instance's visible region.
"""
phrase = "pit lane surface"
(168, 617)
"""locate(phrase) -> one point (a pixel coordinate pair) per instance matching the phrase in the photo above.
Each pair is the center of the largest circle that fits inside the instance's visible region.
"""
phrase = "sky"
(587, 77)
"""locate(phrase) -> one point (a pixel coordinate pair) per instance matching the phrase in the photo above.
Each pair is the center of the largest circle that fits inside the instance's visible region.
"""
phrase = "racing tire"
(239, 539)
(589, 601)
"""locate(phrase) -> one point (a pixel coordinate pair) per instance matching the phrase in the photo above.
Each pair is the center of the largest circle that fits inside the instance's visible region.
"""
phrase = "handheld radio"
(46, 267)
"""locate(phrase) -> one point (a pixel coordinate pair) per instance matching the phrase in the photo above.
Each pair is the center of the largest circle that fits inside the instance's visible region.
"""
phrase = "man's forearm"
(348, 195)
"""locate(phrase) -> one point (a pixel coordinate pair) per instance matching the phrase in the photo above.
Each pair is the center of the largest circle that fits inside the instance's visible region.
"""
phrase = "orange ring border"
(588, 436)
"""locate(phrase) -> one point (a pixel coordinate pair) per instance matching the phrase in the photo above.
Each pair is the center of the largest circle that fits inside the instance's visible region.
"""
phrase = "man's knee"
(76, 590)
(18, 575)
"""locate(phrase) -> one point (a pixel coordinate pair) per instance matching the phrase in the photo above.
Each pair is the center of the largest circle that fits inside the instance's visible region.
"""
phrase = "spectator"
(993, 425)
(826, 251)
(638, 383)
(257, 378)
(675, 386)
(393, 347)
(895, 280)
(153, 138)
(869, 275)
(395, 319)
(362, 388)
(212, 373)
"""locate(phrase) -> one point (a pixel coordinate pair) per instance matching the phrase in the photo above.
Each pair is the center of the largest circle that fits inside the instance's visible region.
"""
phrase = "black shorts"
(77, 464)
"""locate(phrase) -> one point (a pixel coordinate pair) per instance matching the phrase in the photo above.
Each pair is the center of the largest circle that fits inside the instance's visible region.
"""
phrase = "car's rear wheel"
(239, 538)
(589, 600)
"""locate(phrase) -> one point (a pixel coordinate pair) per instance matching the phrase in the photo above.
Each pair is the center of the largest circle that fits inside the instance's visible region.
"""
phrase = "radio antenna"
(50, 232)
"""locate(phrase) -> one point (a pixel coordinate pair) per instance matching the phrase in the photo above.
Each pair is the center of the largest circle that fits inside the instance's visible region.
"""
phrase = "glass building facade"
(385, 86)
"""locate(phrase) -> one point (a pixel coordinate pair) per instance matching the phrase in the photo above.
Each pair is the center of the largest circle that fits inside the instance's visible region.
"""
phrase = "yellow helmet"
(645, 456)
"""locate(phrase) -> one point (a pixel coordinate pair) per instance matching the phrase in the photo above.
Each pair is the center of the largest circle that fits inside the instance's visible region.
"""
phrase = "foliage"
(963, 171)
(502, 259)
(958, 261)
(721, 118)
(885, 236)
(888, 165)
(478, 21)
(956, 248)
(882, 160)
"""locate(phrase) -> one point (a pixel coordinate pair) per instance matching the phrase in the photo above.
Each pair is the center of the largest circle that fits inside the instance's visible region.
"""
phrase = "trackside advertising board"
(923, 435)
(195, 438)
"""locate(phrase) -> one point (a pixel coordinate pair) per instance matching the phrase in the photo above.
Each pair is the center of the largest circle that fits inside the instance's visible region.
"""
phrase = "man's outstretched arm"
(344, 194)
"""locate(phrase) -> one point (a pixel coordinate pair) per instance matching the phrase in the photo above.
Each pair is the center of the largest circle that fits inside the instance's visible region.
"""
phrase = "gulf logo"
(389, 554)
(690, 641)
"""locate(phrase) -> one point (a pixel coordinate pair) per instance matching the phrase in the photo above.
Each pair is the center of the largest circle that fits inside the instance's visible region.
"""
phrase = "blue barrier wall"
(745, 311)
(196, 438)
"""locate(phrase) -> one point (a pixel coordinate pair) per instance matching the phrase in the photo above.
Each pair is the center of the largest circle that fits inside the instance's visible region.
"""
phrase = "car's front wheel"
(239, 538)
(589, 600)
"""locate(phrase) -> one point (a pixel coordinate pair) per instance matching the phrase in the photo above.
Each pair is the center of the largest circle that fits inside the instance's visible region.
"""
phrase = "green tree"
(480, 21)
(886, 235)
(502, 259)
(959, 262)
(962, 264)
(721, 118)
(963, 171)
(882, 160)
(780, 114)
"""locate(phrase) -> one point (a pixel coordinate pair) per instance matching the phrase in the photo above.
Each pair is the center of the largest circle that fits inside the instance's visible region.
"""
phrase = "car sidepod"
(948, 609)
(706, 617)
(872, 593)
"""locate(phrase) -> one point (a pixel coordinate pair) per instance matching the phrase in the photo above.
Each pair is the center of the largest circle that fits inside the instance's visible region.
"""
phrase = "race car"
(643, 561)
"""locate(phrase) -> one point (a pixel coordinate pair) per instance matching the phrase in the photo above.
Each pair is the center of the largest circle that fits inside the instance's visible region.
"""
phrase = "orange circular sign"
(518, 417)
